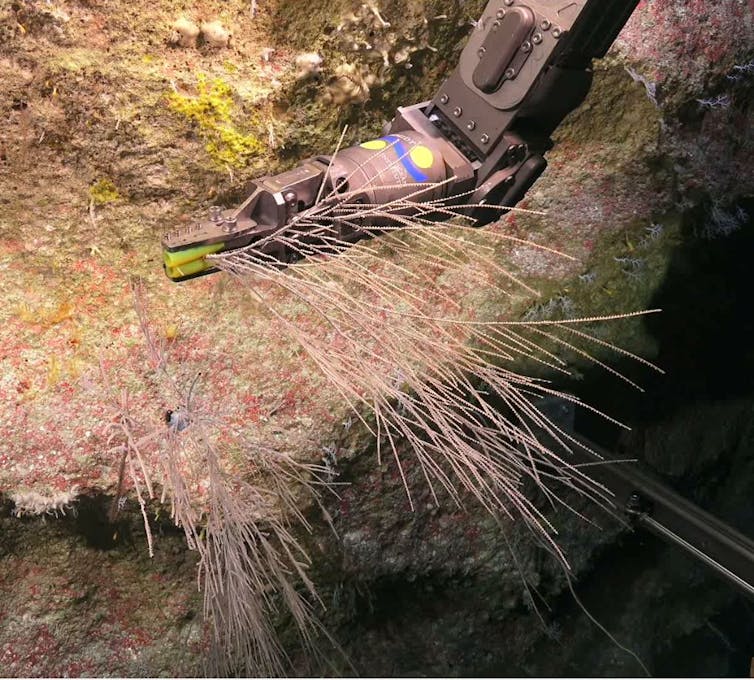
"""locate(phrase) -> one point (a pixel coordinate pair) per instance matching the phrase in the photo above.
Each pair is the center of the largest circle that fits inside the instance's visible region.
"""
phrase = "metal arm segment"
(526, 65)
(650, 504)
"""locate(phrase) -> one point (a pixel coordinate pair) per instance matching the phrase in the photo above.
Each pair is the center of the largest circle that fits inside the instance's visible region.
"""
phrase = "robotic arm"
(481, 141)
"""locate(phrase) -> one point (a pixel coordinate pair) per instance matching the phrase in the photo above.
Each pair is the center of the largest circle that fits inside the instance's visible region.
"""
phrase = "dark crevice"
(91, 521)
(704, 404)
(668, 608)
(88, 517)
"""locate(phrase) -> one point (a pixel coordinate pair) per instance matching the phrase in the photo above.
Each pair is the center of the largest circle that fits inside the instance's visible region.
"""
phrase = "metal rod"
(649, 502)
(721, 569)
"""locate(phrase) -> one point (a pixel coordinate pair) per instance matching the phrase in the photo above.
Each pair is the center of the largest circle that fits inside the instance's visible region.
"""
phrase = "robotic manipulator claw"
(323, 204)
(480, 142)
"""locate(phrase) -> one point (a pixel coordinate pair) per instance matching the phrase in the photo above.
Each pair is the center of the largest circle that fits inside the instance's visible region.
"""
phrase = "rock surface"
(116, 130)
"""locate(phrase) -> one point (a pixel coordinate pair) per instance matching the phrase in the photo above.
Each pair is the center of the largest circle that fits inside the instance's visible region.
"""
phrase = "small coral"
(377, 47)
(215, 35)
(308, 64)
(722, 221)
(367, 33)
(720, 101)
(350, 84)
(32, 503)
(211, 110)
(185, 33)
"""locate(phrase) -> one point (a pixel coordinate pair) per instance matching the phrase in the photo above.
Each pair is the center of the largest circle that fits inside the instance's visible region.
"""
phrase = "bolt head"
(509, 2)
(510, 73)
(444, 99)
(500, 13)
(635, 504)
(470, 125)
(556, 32)
(536, 38)
(545, 25)
(457, 112)
(526, 46)
(485, 138)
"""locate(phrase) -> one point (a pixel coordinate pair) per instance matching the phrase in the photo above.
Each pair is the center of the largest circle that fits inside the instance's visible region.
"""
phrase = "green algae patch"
(75, 60)
(213, 111)
(103, 191)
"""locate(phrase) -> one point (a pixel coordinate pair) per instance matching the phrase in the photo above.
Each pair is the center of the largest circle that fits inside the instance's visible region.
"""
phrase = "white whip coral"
(32, 503)
(383, 322)
(417, 368)
(249, 559)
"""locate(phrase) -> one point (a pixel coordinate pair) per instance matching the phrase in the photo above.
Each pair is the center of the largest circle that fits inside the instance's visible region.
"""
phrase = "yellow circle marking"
(422, 157)
(374, 144)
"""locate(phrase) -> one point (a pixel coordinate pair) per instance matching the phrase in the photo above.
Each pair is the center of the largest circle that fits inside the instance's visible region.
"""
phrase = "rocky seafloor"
(123, 119)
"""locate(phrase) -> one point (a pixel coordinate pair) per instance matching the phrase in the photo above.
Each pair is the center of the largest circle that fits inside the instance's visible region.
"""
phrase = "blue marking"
(405, 158)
